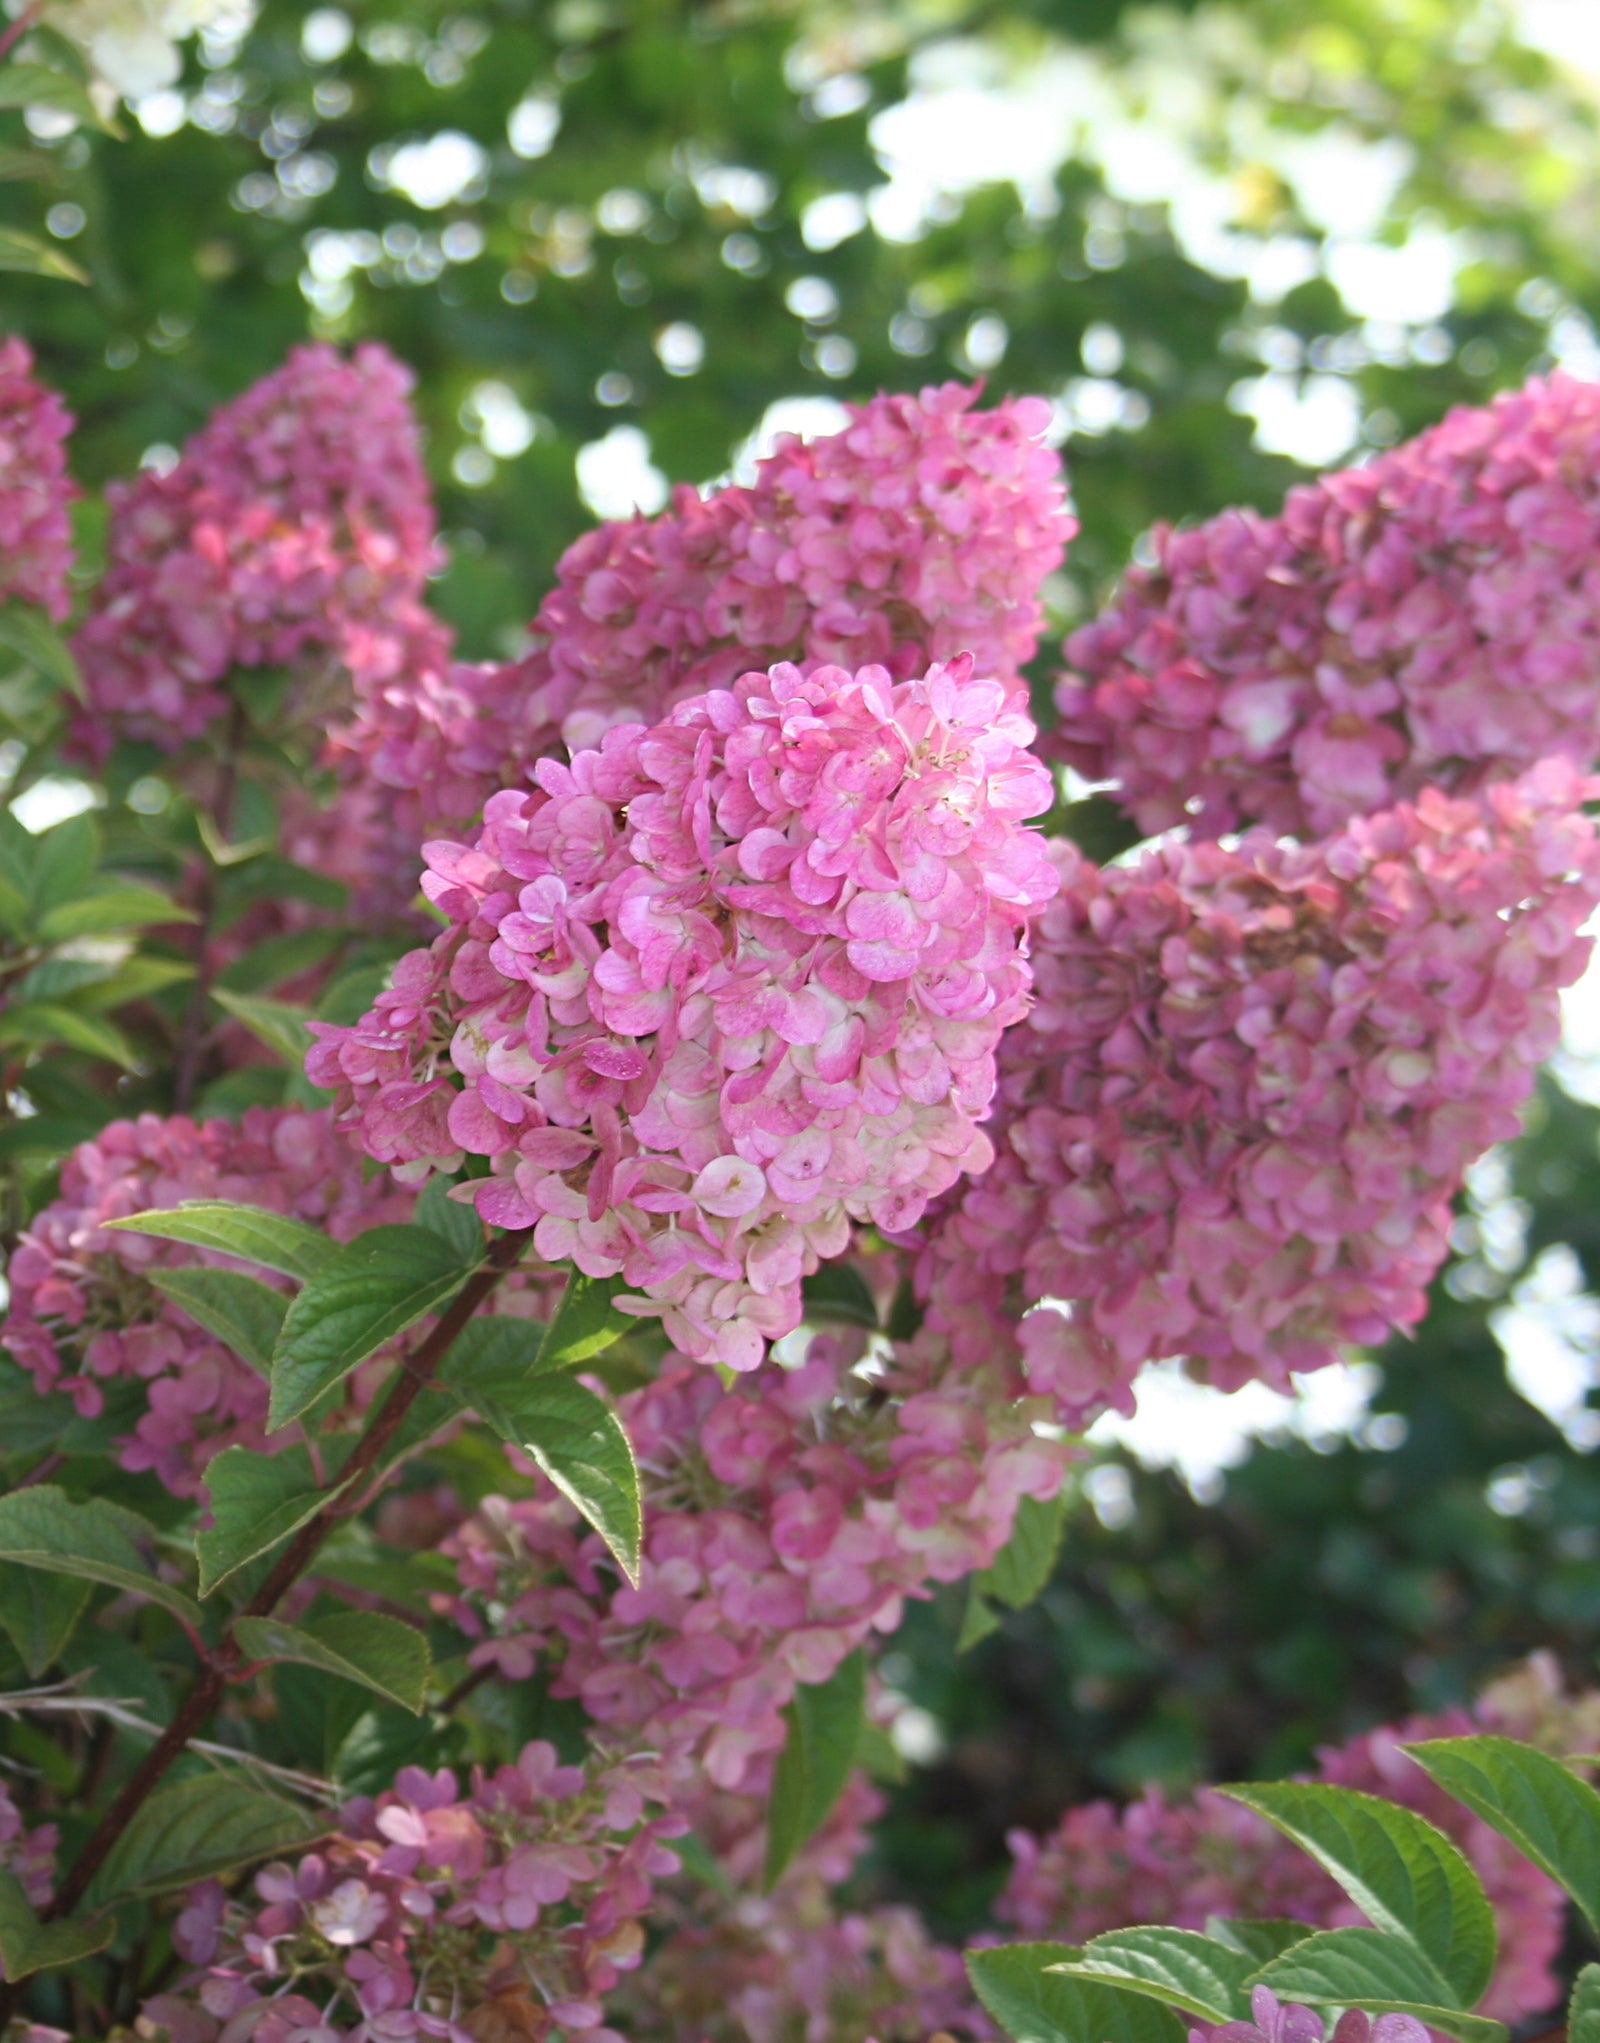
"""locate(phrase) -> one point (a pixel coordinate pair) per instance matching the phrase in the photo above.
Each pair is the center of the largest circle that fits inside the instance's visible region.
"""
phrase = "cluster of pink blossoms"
(1431, 617)
(787, 1519)
(296, 529)
(923, 530)
(35, 490)
(720, 988)
(1273, 2022)
(1177, 1863)
(29, 1856)
(83, 1315)
(1253, 1078)
(510, 1910)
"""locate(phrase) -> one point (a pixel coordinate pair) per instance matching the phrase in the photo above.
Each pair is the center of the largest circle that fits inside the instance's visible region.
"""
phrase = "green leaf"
(1024, 1564)
(275, 1023)
(367, 1292)
(379, 1653)
(43, 1022)
(196, 1829)
(249, 1232)
(1583, 2010)
(1181, 1968)
(28, 1945)
(978, 1620)
(30, 256)
(41, 1527)
(577, 1441)
(64, 860)
(1403, 1874)
(107, 909)
(448, 1218)
(1261, 1939)
(40, 85)
(39, 1613)
(1548, 1813)
(245, 1314)
(586, 1322)
(1034, 2001)
(30, 634)
(824, 1720)
(256, 1500)
(1378, 1970)
(838, 1291)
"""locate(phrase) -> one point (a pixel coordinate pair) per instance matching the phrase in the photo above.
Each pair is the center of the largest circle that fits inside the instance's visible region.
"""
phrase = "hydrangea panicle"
(1251, 1082)
(1430, 617)
(720, 988)
(35, 489)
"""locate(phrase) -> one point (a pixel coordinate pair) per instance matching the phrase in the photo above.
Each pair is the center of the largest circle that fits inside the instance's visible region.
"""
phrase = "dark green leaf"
(249, 1232)
(1181, 1968)
(40, 1527)
(256, 1500)
(379, 1653)
(41, 1023)
(1583, 2010)
(1036, 2003)
(106, 909)
(28, 1945)
(1378, 1970)
(39, 1613)
(369, 1291)
(29, 632)
(838, 1291)
(453, 1222)
(824, 1720)
(586, 1322)
(245, 1314)
(577, 1441)
(1024, 1564)
(199, 1828)
(1403, 1874)
(1546, 1810)
(979, 1620)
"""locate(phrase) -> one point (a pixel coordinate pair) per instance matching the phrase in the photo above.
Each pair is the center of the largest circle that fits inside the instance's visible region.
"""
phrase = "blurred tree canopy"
(1226, 240)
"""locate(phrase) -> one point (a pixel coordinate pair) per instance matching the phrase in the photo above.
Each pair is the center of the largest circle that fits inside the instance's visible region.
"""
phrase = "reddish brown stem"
(20, 27)
(413, 1378)
(191, 1041)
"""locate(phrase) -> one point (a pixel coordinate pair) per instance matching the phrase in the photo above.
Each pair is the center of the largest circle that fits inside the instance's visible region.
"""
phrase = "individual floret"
(1430, 617)
(721, 988)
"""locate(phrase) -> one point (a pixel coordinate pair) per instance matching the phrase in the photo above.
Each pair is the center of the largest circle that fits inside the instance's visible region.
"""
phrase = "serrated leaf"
(838, 1291)
(368, 1292)
(40, 1023)
(1035, 2002)
(244, 1314)
(30, 634)
(39, 1612)
(824, 1720)
(274, 1023)
(585, 1324)
(1181, 1968)
(29, 256)
(1583, 2010)
(448, 1218)
(251, 1233)
(41, 1527)
(1378, 1970)
(1548, 1813)
(577, 1441)
(107, 909)
(28, 1945)
(376, 1652)
(1260, 1939)
(199, 1828)
(1403, 1874)
(257, 1501)
(1019, 1572)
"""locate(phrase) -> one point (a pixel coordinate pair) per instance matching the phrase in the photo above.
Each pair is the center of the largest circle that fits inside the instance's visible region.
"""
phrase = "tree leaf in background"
(197, 1829)
(825, 1720)
(28, 1945)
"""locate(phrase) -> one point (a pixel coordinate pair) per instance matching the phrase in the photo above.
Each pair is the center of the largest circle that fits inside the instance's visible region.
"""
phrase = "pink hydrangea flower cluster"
(924, 529)
(1430, 617)
(1271, 2021)
(1253, 1077)
(787, 1518)
(83, 1315)
(510, 1910)
(35, 489)
(29, 1856)
(296, 529)
(1177, 1863)
(720, 988)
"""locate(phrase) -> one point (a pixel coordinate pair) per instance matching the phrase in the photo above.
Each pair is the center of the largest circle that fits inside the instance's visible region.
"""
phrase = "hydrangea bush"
(549, 1201)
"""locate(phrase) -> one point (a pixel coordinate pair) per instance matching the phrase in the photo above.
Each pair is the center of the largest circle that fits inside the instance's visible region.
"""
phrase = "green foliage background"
(1324, 1591)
